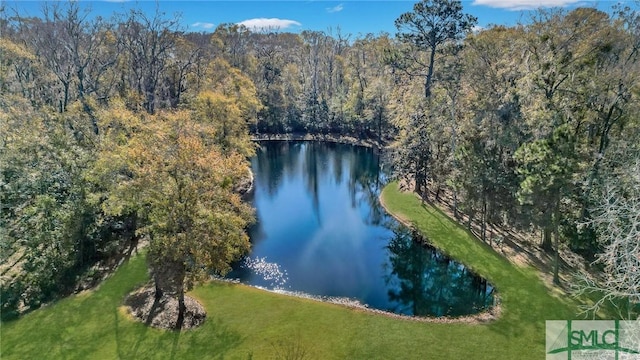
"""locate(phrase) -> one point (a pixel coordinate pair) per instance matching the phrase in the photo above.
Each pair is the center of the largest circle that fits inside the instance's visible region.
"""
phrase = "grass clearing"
(248, 323)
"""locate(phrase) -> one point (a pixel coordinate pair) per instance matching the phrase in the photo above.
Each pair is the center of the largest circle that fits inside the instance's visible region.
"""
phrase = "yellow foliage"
(11, 51)
(170, 173)
(229, 104)
(225, 79)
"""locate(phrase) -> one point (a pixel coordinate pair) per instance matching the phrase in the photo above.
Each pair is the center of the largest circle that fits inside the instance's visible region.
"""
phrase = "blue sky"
(353, 17)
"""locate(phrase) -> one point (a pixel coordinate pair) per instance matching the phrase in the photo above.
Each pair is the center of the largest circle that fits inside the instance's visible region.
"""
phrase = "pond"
(321, 231)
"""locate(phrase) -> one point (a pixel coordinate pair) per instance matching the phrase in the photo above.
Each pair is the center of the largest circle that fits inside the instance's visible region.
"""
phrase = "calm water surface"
(321, 230)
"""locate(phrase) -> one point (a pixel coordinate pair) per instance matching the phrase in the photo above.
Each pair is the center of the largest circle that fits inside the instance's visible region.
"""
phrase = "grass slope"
(245, 323)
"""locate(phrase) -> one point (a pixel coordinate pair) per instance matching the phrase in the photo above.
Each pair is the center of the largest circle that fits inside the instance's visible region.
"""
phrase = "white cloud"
(204, 25)
(264, 23)
(476, 29)
(335, 9)
(524, 4)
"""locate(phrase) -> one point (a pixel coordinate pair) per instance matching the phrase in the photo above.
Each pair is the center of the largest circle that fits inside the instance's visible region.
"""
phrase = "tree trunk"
(420, 185)
(484, 220)
(556, 260)
(65, 101)
(546, 239)
(168, 276)
(429, 78)
(182, 308)
(453, 151)
(80, 75)
(379, 127)
(491, 237)
(159, 292)
(455, 204)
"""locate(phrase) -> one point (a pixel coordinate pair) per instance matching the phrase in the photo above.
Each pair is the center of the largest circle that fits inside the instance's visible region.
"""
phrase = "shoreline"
(487, 316)
(339, 139)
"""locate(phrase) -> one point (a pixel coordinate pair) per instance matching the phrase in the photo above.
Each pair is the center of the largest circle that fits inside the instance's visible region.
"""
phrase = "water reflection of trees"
(274, 160)
(315, 166)
(277, 160)
(366, 183)
(422, 281)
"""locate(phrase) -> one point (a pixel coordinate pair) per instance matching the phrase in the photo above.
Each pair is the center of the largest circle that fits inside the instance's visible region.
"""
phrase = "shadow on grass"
(213, 337)
(429, 207)
(485, 265)
(107, 267)
(291, 348)
(174, 344)
(136, 340)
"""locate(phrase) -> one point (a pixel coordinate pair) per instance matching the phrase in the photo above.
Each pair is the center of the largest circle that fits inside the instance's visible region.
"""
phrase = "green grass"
(245, 323)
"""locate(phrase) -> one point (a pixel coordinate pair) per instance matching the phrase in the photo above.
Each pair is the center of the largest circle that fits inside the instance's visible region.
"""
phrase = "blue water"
(320, 230)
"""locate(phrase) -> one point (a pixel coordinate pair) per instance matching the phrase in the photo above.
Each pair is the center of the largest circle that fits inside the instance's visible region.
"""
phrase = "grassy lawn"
(245, 323)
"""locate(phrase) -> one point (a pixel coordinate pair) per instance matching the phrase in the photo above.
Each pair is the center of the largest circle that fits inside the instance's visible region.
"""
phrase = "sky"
(351, 17)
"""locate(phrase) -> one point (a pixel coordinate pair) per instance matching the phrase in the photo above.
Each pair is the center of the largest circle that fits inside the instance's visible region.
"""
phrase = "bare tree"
(78, 50)
(617, 220)
(48, 38)
(188, 58)
(149, 43)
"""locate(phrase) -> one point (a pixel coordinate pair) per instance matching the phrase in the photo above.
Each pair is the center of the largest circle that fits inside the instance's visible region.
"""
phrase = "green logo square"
(592, 339)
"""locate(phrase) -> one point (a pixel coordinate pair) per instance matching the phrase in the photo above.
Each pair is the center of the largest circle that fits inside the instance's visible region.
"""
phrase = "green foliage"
(47, 227)
(74, 134)
(413, 154)
(433, 22)
(430, 25)
(521, 119)
(547, 167)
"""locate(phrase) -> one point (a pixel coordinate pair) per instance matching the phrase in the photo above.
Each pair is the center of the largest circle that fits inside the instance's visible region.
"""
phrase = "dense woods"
(129, 129)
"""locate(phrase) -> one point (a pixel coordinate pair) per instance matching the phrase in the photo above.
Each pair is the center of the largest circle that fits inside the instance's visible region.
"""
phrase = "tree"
(490, 126)
(231, 42)
(431, 24)
(181, 188)
(376, 99)
(77, 50)
(148, 43)
(558, 48)
(188, 56)
(574, 78)
(548, 167)
(413, 154)
(19, 70)
(229, 104)
(46, 224)
(616, 218)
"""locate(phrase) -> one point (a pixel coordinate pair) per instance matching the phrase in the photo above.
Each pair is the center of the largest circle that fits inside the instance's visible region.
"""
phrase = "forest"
(129, 130)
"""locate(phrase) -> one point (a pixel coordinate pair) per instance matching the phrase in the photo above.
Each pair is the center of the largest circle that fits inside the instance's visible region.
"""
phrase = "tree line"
(108, 126)
(532, 127)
